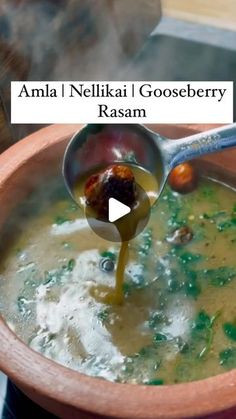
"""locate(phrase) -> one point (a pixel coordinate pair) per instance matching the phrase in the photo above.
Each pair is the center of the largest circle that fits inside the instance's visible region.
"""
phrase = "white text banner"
(119, 102)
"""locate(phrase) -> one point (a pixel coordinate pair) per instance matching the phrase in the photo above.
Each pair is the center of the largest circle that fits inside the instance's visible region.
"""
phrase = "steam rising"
(68, 40)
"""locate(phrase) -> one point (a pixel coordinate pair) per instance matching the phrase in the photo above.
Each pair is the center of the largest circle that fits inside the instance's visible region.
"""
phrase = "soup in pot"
(177, 322)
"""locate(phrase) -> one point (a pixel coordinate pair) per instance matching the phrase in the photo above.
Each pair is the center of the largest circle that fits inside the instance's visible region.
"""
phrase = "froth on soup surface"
(178, 320)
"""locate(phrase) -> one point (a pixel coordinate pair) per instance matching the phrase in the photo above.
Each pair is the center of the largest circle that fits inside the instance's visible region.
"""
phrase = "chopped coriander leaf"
(188, 257)
(55, 276)
(49, 277)
(227, 358)
(71, 265)
(192, 288)
(146, 243)
(174, 207)
(108, 254)
(103, 315)
(176, 221)
(230, 330)
(60, 219)
(219, 276)
(201, 322)
(207, 191)
(127, 288)
(159, 337)
(214, 215)
(154, 382)
(226, 225)
(202, 330)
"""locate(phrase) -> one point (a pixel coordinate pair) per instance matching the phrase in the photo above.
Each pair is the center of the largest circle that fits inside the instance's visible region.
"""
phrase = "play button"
(119, 213)
(116, 210)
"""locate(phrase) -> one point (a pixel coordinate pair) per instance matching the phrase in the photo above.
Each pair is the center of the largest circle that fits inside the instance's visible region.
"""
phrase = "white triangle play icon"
(117, 210)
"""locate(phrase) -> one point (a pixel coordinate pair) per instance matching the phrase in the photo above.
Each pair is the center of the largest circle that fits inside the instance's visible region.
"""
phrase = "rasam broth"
(177, 322)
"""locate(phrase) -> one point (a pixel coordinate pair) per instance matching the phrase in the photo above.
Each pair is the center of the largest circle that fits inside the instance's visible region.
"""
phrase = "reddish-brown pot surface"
(67, 393)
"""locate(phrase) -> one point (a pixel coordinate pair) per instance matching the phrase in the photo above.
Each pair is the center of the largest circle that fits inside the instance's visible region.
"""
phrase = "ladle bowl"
(103, 144)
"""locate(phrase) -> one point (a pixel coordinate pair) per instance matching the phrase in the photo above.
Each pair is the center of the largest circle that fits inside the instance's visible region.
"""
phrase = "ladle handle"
(179, 151)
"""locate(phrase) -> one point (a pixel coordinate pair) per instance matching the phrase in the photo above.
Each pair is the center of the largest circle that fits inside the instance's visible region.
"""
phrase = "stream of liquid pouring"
(126, 229)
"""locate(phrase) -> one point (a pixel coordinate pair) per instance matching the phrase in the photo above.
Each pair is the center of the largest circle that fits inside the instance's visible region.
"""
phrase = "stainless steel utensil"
(104, 144)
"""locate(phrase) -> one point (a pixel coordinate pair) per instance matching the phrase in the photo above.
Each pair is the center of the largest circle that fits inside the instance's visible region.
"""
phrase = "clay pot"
(67, 393)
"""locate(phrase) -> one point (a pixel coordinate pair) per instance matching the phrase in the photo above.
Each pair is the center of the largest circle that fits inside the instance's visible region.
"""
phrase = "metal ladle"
(98, 145)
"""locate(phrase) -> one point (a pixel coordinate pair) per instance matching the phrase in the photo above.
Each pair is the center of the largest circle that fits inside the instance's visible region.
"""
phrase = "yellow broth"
(178, 320)
(126, 226)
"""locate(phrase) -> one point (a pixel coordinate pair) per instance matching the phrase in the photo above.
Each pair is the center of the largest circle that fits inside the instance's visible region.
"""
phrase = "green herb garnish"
(103, 315)
(146, 243)
(71, 265)
(230, 330)
(188, 257)
(202, 330)
(159, 337)
(154, 382)
(60, 219)
(227, 358)
(226, 225)
(219, 276)
(109, 255)
(213, 216)
(191, 285)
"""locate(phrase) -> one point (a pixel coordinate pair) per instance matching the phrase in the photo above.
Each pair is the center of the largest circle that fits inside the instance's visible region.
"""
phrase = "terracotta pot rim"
(28, 368)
